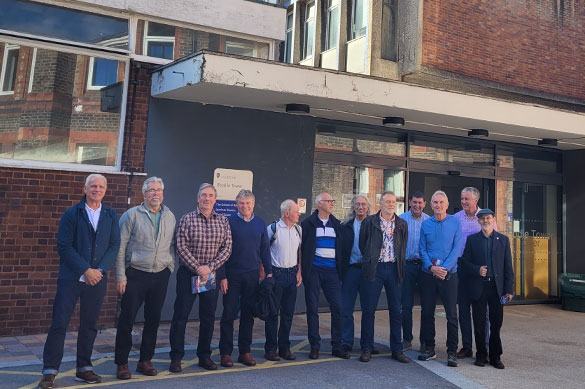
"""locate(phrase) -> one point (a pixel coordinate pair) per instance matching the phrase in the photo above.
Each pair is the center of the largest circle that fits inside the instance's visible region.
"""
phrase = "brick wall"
(538, 45)
(31, 204)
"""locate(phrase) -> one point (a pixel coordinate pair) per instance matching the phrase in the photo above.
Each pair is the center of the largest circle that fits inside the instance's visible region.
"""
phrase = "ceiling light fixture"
(551, 142)
(478, 133)
(298, 108)
(393, 120)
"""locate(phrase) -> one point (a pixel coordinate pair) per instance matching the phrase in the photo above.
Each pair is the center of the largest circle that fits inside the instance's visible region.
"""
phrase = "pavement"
(544, 347)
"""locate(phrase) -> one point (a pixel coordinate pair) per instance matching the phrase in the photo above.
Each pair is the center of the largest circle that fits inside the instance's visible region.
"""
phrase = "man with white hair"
(322, 253)
(88, 241)
(285, 251)
(440, 241)
(143, 268)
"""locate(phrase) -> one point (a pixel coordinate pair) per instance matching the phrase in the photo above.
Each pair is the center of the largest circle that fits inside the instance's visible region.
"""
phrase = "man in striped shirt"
(204, 243)
(321, 269)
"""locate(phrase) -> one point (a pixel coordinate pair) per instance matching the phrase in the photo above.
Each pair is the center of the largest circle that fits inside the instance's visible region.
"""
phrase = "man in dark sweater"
(242, 273)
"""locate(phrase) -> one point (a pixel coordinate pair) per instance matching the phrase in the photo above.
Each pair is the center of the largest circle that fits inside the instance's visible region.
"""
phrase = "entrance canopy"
(213, 78)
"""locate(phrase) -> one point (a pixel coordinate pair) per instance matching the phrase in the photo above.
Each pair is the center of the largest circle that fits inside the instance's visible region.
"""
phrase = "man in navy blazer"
(489, 280)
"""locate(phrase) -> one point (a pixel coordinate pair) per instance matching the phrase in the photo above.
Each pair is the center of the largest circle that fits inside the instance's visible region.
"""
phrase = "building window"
(289, 38)
(102, 72)
(159, 40)
(359, 18)
(9, 67)
(92, 153)
(389, 30)
(31, 77)
(64, 23)
(332, 24)
(309, 31)
(245, 47)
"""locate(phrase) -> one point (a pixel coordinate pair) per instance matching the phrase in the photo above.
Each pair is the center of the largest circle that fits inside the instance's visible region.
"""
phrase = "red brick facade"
(31, 204)
(537, 45)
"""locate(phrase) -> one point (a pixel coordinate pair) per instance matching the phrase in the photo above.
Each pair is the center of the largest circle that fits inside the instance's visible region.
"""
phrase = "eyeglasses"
(329, 201)
(361, 204)
(153, 191)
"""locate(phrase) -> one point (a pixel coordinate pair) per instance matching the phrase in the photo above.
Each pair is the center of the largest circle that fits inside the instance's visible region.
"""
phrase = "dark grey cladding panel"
(187, 141)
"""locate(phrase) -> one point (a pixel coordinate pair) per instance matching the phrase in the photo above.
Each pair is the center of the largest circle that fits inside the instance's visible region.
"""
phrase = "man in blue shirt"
(414, 218)
(242, 272)
(440, 239)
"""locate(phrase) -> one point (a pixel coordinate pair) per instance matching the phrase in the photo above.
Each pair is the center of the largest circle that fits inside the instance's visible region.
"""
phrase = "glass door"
(530, 215)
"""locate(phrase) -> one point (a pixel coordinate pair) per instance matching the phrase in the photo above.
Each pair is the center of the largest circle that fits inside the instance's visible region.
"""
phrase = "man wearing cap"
(487, 267)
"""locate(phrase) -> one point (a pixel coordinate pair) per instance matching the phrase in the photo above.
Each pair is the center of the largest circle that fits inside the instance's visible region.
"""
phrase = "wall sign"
(229, 183)
(302, 203)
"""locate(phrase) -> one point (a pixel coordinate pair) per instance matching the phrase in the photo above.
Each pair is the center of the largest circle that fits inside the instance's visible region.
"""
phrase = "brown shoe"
(288, 355)
(400, 357)
(123, 373)
(47, 382)
(226, 360)
(175, 366)
(146, 368)
(207, 364)
(366, 356)
(247, 359)
(340, 354)
(465, 353)
(88, 376)
(314, 354)
(271, 356)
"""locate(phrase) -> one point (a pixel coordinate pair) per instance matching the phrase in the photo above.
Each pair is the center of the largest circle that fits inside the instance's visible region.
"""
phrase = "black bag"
(264, 304)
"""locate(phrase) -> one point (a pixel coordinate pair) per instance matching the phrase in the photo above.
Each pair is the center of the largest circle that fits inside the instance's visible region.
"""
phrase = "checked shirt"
(202, 241)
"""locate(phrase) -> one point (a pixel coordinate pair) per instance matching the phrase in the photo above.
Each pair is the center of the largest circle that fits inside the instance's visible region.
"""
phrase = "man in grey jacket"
(143, 267)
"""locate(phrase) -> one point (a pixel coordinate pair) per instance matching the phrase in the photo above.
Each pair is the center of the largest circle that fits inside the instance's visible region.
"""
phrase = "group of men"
(233, 254)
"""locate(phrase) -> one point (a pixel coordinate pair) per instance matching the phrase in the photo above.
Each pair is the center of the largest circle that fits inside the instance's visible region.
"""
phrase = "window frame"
(306, 22)
(392, 6)
(31, 76)
(7, 48)
(157, 38)
(90, 66)
(353, 32)
(72, 166)
(288, 43)
(330, 10)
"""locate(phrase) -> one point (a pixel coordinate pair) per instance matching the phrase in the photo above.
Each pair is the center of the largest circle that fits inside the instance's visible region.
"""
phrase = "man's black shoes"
(451, 360)
(497, 364)
(427, 355)
(465, 353)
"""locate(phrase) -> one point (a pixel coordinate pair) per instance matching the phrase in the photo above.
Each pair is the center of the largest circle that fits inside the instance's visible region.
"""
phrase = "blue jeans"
(409, 287)
(285, 292)
(91, 298)
(328, 280)
(352, 284)
(387, 277)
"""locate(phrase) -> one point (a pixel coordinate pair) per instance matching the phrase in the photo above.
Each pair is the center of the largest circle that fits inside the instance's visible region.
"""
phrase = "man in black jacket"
(321, 269)
(487, 267)
(383, 239)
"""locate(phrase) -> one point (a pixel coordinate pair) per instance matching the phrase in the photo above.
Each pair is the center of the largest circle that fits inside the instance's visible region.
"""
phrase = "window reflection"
(64, 108)
(64, 23)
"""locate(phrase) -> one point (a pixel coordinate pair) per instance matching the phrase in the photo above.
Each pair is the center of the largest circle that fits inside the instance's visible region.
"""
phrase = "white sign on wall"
(228, 183)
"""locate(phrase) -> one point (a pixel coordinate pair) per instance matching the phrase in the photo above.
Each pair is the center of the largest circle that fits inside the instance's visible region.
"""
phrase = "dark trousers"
(491, 298)
(464, 305)
(350, 286)
(328, 280)
(147, 288)
(430, 286)
(183, 305)
(90, 302)
(387, 277)
(285, 292)
(409, 287)
(241, 289)
(464, 308)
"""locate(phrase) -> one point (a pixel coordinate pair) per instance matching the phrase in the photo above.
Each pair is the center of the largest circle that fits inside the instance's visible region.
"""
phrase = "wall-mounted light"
(298, 108)
(478, 133)
(550, 142)
(393, 120)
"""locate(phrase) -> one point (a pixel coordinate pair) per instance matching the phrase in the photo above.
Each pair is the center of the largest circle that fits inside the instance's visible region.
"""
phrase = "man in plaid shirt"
(204, 243)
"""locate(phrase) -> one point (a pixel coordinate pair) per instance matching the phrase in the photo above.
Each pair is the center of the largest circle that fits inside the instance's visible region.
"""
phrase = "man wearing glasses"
(143, 267)
(321, 269)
